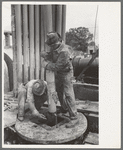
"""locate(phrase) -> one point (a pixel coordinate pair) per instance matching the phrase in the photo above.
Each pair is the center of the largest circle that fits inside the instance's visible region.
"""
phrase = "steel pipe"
(13, 27)
(25, 42)
(18, 42)
(37, 56)
(31, 40)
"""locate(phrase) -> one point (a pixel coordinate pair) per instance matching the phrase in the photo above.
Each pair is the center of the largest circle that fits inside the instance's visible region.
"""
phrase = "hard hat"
(53, 38)
(38, 87)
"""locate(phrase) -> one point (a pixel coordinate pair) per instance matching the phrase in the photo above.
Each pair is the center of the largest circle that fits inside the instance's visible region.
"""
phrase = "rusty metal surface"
(42, 133)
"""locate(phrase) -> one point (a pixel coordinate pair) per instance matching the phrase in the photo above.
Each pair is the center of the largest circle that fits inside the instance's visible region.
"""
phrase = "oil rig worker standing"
(62, 66)
(34, 93)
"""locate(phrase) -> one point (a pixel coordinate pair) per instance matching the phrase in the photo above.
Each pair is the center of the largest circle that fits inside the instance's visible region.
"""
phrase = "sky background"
(82, 15)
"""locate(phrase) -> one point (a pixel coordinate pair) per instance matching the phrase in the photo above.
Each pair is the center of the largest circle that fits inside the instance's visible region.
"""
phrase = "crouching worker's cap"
(53, 38)
(38, 87)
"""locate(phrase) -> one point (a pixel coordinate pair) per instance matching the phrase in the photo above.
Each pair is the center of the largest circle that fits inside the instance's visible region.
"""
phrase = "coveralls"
(62, 66)
(35, 102)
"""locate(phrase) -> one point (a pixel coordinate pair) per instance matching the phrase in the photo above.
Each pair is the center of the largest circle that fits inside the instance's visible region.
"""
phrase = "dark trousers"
(64, 88)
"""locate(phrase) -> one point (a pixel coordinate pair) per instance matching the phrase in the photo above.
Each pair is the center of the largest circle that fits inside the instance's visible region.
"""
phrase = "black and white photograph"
(55, 80)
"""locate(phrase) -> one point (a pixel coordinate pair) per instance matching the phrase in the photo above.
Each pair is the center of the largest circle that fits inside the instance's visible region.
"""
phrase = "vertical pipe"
(13, 27)
(63, 22)
(59, 18)
(25, 42)
(54, 17)
(45, 7)
(37, 56)
(31, 40)
(42, 41)
(18, 42)
(48, 19)
(50, 76)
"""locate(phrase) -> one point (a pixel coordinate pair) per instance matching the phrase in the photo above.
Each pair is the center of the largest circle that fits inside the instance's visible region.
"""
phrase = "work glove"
(44, 63)
(46, 55)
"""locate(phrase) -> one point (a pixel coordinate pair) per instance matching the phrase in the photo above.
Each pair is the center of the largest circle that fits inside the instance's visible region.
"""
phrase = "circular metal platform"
(36, 132)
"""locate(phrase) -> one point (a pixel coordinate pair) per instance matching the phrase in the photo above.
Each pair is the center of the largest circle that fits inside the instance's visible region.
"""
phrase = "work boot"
(74, 118)
(74, 121)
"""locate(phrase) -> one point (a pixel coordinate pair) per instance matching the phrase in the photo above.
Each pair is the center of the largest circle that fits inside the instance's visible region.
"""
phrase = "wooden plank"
(59, 18)
(37, 56)
(25, 42)
(92, 138)
(87, 107)
(63, 22)
(31, 40)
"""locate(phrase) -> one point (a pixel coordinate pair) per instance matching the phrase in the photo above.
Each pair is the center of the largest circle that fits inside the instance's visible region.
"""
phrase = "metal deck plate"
(44, 134)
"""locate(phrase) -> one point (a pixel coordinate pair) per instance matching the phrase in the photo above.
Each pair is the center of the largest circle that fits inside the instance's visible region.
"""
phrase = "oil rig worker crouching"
(34, 93)
(62, 66)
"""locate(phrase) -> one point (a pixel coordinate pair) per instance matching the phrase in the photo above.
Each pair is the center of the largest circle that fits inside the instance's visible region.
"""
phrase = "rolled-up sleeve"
(30, 97)
(60, 63)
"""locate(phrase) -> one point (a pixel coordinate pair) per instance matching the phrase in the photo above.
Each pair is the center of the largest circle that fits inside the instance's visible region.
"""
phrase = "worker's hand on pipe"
(37, 114)
(44, 63)
(41, 116)
(46, 55)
